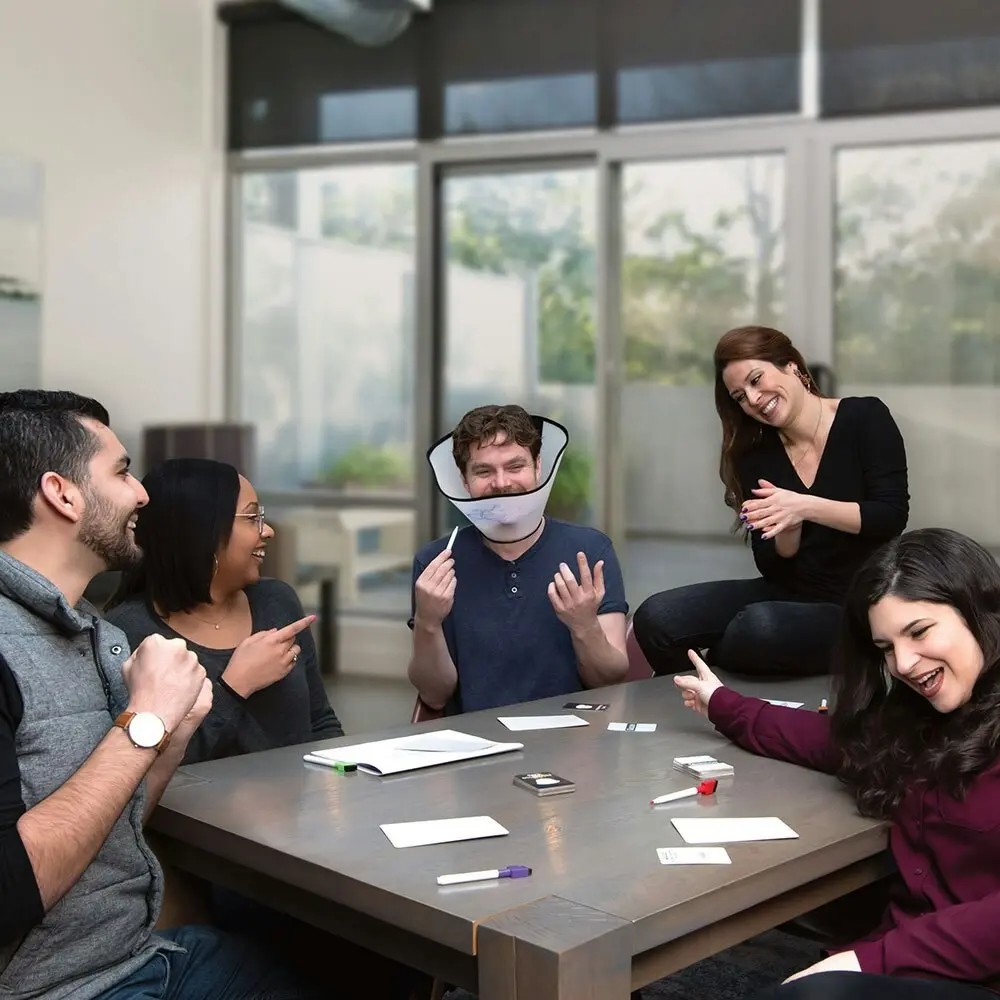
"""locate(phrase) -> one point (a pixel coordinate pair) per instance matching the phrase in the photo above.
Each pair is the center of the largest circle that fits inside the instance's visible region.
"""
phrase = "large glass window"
(679, 60)
(515, 65)
(293, 83)
(704, 250)
(327, 334)
(918, 315)
(519, 318)
(909, 55)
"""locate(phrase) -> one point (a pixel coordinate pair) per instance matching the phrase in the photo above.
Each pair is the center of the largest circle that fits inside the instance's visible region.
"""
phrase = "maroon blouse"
(945, 921)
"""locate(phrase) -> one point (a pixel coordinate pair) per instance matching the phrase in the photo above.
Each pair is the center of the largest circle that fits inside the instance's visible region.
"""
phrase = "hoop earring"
(215, 565)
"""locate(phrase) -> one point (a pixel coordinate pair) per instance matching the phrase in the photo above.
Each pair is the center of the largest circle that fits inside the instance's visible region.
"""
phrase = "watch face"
(146, 729)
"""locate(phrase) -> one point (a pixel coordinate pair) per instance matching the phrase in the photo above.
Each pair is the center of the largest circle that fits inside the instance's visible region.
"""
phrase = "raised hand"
(264, 658)
(698, 690)
(434, 591)
(577, 602)
(164, 677)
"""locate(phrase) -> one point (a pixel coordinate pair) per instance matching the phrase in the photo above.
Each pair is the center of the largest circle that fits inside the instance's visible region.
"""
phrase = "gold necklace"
(812, 440)
(215, 625)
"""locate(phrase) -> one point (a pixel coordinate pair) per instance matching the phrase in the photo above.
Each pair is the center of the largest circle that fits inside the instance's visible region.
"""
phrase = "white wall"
(119, 100)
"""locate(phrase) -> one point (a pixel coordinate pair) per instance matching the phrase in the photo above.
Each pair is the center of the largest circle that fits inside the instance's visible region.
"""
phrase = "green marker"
(343, 767)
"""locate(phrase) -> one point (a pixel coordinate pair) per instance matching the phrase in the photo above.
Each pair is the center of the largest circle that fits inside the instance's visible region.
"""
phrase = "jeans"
(749, 626)
(213, 966)
(865, 986)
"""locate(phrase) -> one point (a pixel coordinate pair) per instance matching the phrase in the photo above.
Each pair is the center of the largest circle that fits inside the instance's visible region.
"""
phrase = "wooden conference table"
(598, 917)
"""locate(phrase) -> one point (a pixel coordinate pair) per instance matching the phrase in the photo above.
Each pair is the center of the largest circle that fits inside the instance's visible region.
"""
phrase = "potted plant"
(570, 497)
(366, 467)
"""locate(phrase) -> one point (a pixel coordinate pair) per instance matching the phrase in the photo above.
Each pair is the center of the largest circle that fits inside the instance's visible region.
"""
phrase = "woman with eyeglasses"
(203, 537)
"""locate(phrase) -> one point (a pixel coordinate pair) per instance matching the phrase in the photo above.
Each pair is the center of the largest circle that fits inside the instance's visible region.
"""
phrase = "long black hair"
(189, 518)
(891, 737)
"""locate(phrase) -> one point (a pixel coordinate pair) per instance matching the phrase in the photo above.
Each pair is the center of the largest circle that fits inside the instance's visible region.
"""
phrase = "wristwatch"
(145, 730)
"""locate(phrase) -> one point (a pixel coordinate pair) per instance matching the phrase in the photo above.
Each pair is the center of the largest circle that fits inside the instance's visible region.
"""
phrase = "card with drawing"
(693, 856)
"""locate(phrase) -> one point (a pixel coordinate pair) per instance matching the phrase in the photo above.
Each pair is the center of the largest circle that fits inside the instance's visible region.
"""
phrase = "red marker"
(707, 787)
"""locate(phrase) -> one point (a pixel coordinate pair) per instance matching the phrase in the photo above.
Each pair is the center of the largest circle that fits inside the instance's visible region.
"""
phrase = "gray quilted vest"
(67, 663)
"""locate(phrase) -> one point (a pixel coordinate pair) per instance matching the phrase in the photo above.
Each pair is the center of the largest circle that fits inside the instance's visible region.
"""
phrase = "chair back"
(424, 713)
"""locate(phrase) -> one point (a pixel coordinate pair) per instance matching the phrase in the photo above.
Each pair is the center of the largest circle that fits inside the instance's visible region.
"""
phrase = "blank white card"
(721, 830)
(442, 831)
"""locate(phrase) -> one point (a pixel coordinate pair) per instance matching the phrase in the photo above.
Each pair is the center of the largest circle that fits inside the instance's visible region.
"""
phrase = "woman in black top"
(817, 483)
(203, 537)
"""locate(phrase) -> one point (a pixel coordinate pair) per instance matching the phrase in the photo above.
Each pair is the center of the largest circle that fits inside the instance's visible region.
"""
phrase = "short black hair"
(41, 431)
(189, 517)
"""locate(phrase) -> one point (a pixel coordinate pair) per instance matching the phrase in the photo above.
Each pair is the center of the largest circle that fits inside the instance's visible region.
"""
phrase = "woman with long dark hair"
(817, 483)
(203, 538)
(914, 734)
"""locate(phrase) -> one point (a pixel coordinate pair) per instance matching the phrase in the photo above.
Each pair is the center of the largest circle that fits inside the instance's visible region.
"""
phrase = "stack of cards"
(544, 783)
(703, 766)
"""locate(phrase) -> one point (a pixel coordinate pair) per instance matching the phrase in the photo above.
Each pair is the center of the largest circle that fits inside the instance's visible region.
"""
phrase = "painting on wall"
(21, 198)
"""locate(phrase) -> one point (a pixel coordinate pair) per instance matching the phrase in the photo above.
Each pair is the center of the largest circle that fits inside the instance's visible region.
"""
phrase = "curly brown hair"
(484, 424)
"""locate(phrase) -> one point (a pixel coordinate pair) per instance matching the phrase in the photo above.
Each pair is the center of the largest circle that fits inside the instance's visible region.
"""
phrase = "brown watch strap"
(122, 723)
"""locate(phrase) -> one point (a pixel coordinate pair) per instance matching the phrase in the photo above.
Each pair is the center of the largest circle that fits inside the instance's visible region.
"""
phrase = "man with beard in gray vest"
(90, 735)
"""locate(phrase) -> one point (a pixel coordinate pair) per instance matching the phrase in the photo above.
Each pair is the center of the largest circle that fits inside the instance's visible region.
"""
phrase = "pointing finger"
(704, 671)
(291, 631)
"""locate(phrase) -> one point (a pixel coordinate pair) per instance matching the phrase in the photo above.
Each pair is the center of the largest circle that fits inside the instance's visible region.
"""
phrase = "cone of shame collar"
(513, 516)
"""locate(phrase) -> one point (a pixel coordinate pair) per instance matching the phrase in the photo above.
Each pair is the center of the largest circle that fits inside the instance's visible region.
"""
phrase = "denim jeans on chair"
(213, 966)
(749, 626)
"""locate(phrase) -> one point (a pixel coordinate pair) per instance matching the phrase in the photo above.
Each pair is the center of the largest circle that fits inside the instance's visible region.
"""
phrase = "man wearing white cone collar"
(522, 606)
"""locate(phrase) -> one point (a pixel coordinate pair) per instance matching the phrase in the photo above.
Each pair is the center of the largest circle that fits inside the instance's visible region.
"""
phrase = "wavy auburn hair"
(888, 735)
(740, 432)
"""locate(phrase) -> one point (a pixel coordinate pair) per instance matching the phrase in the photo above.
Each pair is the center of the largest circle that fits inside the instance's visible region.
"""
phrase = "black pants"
(863, 986)
(750, 627)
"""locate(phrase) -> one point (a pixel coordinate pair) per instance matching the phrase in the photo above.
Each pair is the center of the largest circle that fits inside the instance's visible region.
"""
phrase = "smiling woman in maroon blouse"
(915, 735)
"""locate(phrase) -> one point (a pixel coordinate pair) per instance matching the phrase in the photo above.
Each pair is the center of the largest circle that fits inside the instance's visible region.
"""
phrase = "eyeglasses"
(258, 517)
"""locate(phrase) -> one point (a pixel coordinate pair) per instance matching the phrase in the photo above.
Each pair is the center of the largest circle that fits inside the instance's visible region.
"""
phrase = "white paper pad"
(785, 704)
(693, 856)
(720, 830)
(442, 831)
(447, 741)
(522, 723)
(408, 753)
(632, 727)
